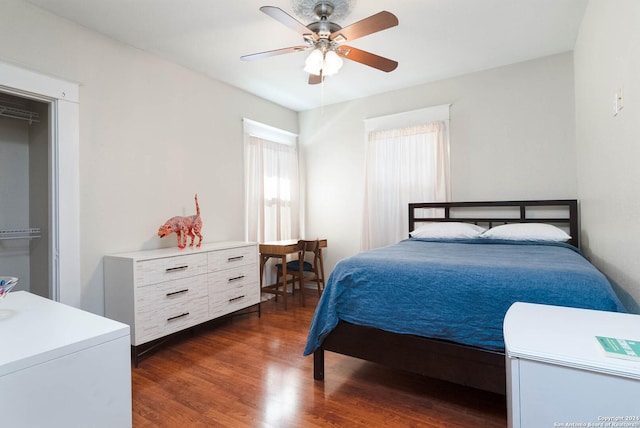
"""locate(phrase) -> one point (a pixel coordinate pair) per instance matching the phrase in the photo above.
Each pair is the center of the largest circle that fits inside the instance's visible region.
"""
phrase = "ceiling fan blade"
(378, 22)
(314, 80)
(274, 52)
(288, 20)
(367, 58)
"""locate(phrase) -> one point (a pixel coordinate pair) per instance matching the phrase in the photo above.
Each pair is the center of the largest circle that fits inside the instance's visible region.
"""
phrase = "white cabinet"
(558, 375)
(160, 292)
(61, 366)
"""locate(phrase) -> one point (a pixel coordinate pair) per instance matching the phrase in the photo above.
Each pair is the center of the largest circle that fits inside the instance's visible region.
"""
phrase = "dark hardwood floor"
(250, 372)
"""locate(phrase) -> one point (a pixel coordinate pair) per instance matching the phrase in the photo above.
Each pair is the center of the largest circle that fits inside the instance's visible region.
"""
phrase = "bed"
(435, 305)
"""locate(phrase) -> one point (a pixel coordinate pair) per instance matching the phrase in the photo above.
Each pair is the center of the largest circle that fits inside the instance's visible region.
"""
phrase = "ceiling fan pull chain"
(322, 97)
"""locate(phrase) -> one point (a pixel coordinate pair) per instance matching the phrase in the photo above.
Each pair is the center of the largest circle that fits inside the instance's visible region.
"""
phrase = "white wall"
(512, 137)
(607, 58)
(151, 135)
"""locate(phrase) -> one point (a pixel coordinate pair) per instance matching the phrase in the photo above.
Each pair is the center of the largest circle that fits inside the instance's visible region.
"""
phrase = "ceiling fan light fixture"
(332, 63)
(314, 62)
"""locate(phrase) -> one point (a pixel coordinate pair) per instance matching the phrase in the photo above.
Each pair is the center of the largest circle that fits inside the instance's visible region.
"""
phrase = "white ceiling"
(435, 39)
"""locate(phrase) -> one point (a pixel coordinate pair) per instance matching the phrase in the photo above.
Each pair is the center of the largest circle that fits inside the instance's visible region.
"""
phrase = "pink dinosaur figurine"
(183, 227)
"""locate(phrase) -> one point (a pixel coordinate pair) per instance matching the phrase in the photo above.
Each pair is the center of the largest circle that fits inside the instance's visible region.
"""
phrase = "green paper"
(620, 348)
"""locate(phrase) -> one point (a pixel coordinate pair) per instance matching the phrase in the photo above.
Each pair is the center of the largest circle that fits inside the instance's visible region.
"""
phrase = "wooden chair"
(309, 267)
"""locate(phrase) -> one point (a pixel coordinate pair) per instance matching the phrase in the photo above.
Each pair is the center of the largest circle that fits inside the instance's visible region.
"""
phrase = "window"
(404, 164)
(271, 183)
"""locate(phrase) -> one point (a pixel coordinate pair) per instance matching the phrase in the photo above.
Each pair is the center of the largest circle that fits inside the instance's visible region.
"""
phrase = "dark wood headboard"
(560, 212)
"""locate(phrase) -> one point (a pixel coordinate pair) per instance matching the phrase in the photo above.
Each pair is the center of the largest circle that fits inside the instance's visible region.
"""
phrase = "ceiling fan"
(327, 40)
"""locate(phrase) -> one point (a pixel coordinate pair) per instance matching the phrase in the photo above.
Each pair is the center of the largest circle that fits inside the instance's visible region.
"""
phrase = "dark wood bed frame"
(460, 364)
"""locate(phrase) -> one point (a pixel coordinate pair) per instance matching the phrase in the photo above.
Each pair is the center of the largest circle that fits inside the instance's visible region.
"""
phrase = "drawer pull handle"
(177, 268)
(236, 278)
(235, 259)
(178, 316)
(236, 298)
(177, 292)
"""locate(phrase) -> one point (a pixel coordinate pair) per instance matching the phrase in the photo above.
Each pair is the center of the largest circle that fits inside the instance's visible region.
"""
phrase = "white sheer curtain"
(402, 166)
(272, 190)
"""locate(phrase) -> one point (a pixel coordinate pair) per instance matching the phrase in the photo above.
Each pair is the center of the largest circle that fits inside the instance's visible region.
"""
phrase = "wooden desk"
(281, 249)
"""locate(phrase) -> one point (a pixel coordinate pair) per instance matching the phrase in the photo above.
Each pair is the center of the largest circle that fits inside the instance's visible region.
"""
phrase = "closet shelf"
(30, 233)
(16, 113)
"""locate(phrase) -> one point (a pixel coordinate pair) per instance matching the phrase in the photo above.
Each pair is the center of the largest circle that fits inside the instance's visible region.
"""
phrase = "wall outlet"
(617, 102)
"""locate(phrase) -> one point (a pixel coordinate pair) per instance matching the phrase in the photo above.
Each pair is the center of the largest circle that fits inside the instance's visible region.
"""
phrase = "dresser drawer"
(231, 278)
(233, 299)
(170, 319)
(170, 306)
(232, 257)
(157, 296)
(233, 289)
(170, 268)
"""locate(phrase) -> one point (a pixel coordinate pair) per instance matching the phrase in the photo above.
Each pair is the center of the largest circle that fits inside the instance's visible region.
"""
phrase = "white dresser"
(557, 374)
(61, 366)
(160, 292)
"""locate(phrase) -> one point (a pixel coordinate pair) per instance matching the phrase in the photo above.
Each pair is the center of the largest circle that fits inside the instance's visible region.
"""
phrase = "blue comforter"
(455, 290)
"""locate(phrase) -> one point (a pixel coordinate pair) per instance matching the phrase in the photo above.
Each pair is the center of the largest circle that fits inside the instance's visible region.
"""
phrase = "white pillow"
(447, 230)
(527, 232)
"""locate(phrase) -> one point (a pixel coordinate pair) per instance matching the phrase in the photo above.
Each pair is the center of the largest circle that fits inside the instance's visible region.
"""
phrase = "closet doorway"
(52, 222)
(25, 193)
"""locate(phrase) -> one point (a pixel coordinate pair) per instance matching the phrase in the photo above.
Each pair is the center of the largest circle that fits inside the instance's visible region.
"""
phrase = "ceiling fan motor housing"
(323, 28)
(323, 9)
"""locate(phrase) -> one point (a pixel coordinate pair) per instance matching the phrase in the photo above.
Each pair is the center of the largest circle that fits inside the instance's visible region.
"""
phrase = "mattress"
(457, 290)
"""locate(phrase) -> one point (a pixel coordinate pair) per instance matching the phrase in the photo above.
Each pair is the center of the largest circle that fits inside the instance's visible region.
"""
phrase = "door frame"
(64, 159)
